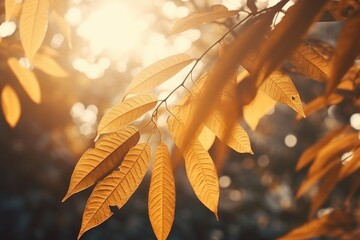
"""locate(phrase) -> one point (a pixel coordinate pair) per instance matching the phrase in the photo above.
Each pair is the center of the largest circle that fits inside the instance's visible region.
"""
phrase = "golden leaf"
(206, 138)
(199, 18)
(310, 153)
(162, 194)
(12, 9)
(279, 87)
(158, 72)
(33, 25)
(98, 162)
(10, 105)
(49, 66)
(310, 62)
(346, 51)
(27, 79)
(238, 139)
(199, 166)
(258, 108)
(116, 188)
(321, 102)
(125, 112)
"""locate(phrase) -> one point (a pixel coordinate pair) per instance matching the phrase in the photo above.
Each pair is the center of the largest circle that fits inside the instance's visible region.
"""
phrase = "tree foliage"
(257, 57)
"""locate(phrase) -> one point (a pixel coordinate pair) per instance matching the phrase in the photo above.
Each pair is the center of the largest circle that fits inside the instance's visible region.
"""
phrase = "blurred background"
(111, 42)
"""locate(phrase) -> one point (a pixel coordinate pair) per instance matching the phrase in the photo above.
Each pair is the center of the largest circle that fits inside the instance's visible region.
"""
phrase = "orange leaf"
(10, 105)
(162, 194)
(98, 162)
(116, 188)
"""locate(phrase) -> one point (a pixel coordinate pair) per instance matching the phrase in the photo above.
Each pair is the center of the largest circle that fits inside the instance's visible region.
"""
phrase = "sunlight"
(112, 27)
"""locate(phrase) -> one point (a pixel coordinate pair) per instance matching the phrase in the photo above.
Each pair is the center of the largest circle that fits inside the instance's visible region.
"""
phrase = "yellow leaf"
(310, 62)
(258, 108)
(125, 112)
(27, 79)
(33, 25)
(206, 138)
(196, 19)
(98, 162)
(158, 72)
(194, 90)
(162, 194)
(279, 87)
(321, 102)
(12, 9)
(116, 188)
(49, 66)
(346, 51)
(199, 166)
(238, 139)
(10, 105)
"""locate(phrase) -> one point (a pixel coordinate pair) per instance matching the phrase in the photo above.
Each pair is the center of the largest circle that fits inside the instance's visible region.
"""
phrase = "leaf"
(199, 18)
(346, 51)
(199, 166)
(98, 162)
(329, 225)
(116, 188)
(12, 9)
(10, 105)
(158, 72)
(162, 194)
(258, 108)
(321, 102)
(33, 25)
(27, 79)
(206, 138)
(279, 87)
(49, 66)
(125, 112)
(311, 152)
(310, 63)
(238, 139)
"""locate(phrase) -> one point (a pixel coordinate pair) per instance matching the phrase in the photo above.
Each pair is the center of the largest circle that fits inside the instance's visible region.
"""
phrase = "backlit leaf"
(33, 25)
(199, 166)
(98, 162)
(346, 51)
(125, 112)
(158, 72)
(206, 138)
(12, 9)
(27, 79)
(196, 19)
(238, 139)
(258, 108)
(162, 194)
(310, 63)
(49, 66)
(116, 188)
(10, 105)
(279, 87)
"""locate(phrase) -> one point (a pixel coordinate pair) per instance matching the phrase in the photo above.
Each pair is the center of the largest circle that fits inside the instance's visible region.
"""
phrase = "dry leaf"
(116, 188)
(98, 162)
(258, 108)
(346, 51)
(125, 112)
(49, 66)
(10, 105)
(162, 194)
(27, 79)
(199, 166)
(158, 72)
(196, 19)
(33, 25)
(311, 63)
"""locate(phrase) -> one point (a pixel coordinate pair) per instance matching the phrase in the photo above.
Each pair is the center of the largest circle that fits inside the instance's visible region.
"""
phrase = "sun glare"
(113, 28)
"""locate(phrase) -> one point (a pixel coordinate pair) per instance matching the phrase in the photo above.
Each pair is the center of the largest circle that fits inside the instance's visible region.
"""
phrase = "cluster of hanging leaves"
(245, 83)
(32, 18)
